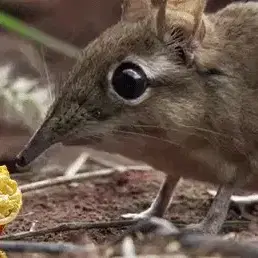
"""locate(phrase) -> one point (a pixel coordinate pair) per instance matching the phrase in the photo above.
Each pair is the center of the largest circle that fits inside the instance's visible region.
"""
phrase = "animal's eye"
(129, 81)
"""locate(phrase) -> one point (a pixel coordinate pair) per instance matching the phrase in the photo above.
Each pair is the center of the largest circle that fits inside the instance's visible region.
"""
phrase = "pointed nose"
(21, 161)
(36, 146)
(30, 153)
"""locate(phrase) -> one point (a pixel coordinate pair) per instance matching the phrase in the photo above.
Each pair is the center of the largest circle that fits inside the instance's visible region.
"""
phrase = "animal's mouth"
(38, 146)
(39, 143)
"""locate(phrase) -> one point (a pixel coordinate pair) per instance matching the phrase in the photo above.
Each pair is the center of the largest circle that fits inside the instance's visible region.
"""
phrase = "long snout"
(35, 147)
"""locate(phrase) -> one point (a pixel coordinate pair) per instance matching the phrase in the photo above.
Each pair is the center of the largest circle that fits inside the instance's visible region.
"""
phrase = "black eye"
(129, 81)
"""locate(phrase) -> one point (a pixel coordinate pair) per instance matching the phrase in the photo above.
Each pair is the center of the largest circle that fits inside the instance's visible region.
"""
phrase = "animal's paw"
(137, 216)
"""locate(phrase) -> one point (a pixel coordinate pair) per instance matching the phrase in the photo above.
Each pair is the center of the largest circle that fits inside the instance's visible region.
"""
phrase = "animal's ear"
(187, 16)
(135, 10)
(168, 15)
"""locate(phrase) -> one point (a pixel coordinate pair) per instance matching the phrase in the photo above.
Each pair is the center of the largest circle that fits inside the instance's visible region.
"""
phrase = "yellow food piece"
(3, 255)
(10, 197)
(10, 200)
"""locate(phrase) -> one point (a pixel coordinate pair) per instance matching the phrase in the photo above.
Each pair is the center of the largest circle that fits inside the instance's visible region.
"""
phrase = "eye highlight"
(129, 81)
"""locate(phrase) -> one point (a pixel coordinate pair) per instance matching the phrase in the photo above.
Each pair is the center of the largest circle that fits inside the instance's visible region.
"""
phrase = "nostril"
(21, 161)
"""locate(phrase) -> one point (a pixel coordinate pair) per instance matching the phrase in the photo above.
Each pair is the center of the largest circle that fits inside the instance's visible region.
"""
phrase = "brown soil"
(107, 199)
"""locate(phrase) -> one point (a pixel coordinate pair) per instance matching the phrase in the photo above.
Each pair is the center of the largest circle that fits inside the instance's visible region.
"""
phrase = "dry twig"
(66, 180)
(79, 177)
(32, 247)
(163, 238)
(68, 227)
(94, 225)
(75, 167)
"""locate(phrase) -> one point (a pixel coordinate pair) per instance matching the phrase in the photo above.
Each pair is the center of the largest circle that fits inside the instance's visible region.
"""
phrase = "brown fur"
(199, 122)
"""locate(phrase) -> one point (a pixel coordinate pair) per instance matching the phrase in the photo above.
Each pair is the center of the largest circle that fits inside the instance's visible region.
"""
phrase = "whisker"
(47, 74)
(125, 134)
(188, 127)
(145, 136)
(168, 129)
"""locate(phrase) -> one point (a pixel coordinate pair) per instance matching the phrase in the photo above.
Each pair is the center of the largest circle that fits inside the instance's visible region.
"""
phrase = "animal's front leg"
(217, 213)
(161, 202)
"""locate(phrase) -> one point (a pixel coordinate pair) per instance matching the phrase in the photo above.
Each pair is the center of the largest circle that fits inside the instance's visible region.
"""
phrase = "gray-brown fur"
(201, 118)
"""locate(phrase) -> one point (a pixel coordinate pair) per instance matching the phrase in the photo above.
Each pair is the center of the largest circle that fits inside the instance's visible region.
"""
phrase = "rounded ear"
(135, 10)
(168, 16)
(188, 16)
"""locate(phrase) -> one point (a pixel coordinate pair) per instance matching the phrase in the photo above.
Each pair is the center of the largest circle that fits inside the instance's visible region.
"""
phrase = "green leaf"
(12, 24)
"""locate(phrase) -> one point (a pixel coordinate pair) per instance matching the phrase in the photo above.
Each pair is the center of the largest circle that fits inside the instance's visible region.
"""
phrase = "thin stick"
(239, 199)
(79, 177)
(68, 227)
(74, 168)
(66, 180)
(50, 248)
(96, 225)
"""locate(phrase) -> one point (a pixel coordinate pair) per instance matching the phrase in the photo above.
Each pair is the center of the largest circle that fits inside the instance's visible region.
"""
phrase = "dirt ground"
(107, 199)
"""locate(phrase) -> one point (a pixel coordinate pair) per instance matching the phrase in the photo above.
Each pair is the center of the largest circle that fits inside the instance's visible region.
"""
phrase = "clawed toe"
(136, 216)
